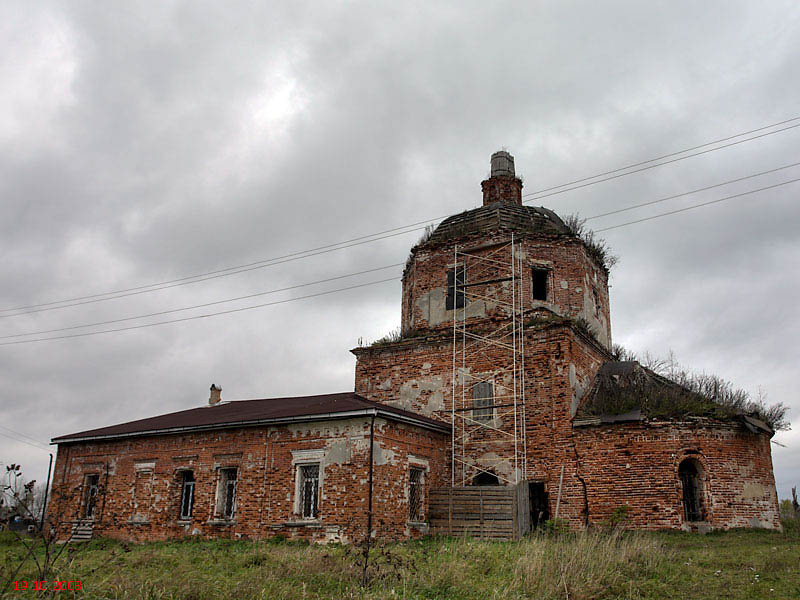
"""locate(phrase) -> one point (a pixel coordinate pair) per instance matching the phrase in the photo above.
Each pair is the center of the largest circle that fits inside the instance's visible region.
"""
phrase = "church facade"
(501, 378)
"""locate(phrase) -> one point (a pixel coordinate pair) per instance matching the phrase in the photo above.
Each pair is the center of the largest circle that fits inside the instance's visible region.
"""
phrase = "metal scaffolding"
(488, 403)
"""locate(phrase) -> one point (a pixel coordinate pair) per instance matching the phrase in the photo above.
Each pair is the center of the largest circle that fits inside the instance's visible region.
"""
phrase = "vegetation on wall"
(664, 388)
(595, 246)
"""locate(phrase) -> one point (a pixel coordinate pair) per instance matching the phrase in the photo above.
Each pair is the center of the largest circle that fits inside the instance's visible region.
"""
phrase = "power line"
(644, 162)
(136, 293)
(242, 309)
(228, 271)
(21, 441)
(666, 162)
(216, 302)
(680, 210)
(205, 316)
(702, 189)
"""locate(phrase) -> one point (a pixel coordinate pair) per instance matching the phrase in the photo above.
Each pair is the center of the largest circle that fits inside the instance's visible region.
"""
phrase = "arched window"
(485, 479)
(691, 475)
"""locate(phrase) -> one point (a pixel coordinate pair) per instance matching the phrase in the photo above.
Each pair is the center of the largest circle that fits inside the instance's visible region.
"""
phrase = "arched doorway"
(690, 473)
(485, 479)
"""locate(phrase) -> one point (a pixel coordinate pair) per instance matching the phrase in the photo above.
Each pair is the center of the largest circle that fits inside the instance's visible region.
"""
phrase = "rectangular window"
(415, 495)
(456, 280)
(90, 488)
(539, 284)
(226, 493)
(483, 401)
(309, 491)
(596, 301)
(187, 495)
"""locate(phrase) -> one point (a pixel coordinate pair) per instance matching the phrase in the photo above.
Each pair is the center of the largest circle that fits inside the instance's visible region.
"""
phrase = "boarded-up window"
(539, 284)
(142, 492)
(415, 495)
(456, 279)
(483, 401)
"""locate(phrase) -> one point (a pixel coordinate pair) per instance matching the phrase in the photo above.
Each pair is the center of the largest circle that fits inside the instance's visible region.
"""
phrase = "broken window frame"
(456, 293)
(483, 405)
(226, 493)
(186, 507)
(308, 476)
(91, 488)
(540, 282)
(416, 494)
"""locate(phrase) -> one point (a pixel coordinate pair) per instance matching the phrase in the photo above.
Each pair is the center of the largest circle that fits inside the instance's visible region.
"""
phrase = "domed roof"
(500, 217)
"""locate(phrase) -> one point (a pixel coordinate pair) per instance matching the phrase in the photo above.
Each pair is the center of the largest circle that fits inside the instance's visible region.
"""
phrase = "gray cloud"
(140, 144)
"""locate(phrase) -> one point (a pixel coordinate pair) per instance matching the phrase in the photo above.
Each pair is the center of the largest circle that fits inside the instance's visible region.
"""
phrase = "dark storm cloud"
(143, 143)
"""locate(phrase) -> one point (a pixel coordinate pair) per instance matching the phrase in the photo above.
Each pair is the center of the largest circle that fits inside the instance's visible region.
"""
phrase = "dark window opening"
(539, 284)
(596, 302)
(309, 491)
(483, 401)
(90, 488)
(485, 479)
(692, 487)
(226, 493)
(187, 495)
(540, 509)
(415, 495)
(456, 280)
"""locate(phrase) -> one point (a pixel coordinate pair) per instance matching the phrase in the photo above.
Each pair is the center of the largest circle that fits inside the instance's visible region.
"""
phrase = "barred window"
(415, 495)
(456, 279)
(483, 401)
(309, 491)
(187, 495)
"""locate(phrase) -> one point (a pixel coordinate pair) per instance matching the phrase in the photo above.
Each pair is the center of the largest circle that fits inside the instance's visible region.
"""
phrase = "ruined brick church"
(498, 406)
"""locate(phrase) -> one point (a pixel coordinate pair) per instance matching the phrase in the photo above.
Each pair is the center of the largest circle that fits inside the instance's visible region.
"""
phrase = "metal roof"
(246, 413)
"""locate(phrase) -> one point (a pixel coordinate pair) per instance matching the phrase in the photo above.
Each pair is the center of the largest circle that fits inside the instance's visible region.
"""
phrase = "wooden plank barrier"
(486, 512)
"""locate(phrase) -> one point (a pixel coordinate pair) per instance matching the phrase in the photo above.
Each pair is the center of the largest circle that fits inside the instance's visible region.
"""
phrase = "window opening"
(226, 493)
(540, 509)
(692, 486)
(91, 487)
(539, 284)
(483, 401)
(309, 491)
(187, 495)
(415, 495)
(485, 478)
(456, 279)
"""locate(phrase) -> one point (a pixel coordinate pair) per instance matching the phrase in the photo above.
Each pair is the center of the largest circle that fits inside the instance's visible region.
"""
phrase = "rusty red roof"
(266, 411)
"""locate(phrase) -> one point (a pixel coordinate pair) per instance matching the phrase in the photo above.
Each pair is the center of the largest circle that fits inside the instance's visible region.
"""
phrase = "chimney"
(503, 185)
(214, 398)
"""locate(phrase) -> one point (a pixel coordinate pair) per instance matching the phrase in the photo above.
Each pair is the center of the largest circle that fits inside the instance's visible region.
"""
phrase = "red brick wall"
(574, 278)
(636, 465)
(265, 483)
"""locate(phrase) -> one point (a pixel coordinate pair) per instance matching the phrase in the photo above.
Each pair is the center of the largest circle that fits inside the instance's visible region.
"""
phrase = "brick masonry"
(142, 480)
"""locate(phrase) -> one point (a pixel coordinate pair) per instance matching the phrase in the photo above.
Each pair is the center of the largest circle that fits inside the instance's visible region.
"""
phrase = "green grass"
(734, 564)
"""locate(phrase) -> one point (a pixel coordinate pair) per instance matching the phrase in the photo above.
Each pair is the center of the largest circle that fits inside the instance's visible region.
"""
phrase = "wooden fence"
(486, 512)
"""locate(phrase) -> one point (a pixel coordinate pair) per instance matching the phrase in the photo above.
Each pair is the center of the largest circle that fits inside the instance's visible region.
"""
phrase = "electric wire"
(661, 164)
(225, 272)
(204, 305)
(644, 162)
(702, 189)
(37, 445)
(217, 302)
(195, 317)
(680, 210)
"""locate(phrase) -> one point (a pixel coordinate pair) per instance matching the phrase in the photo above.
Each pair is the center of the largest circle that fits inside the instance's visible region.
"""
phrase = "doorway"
(540, 511)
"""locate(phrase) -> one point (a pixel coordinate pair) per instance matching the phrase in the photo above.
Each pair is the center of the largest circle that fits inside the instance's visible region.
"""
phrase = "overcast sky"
(146, 143)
